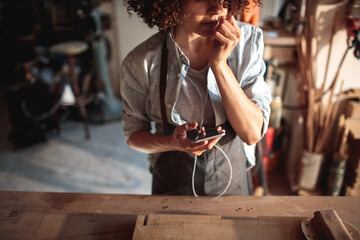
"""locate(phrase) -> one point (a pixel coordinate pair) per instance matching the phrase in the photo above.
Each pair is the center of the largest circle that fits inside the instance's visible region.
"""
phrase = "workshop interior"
(61, 111)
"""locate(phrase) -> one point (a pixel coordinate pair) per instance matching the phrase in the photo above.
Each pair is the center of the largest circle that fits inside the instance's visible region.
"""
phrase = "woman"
(212, 70)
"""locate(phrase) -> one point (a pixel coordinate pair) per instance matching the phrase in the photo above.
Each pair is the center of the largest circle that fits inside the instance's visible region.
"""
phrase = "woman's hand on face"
(225, 37)
(182, 143)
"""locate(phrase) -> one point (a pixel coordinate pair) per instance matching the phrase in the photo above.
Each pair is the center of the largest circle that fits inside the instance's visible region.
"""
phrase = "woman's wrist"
(150, 143)
(164, 143)
(218, 66)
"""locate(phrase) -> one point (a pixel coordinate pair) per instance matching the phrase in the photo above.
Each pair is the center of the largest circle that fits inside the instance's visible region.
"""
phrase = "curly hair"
(165, 13)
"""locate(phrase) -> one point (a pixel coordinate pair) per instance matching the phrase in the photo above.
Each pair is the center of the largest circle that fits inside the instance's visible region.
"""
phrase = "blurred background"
(60, 125)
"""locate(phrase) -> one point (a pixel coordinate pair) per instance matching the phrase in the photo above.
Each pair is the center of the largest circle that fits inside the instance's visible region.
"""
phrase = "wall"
(132, 30)
(107, 7)
(270, 8)
(126, 33)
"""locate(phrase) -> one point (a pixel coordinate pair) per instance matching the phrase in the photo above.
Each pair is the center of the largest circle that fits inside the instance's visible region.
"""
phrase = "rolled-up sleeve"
(253, 82)
(133, 93)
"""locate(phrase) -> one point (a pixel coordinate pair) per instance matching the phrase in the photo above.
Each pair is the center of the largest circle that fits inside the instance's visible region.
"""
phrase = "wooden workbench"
(37, 215)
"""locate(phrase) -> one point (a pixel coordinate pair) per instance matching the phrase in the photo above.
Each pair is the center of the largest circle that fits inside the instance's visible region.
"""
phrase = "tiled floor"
(67, 162)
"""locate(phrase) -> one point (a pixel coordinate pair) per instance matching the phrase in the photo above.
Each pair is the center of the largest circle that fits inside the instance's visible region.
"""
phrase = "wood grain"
(39, 215)
(201, 227)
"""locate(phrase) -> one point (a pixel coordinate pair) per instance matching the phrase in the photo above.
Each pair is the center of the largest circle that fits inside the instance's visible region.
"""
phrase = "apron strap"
(163, 75)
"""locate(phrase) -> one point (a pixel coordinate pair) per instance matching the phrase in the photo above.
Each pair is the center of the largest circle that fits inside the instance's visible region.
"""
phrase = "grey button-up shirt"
(140, 80)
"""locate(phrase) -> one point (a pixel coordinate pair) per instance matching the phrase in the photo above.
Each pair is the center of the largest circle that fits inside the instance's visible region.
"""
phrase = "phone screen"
(196, 136)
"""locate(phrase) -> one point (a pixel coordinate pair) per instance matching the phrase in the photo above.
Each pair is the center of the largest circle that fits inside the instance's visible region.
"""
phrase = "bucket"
(336, 176)
(310, 171)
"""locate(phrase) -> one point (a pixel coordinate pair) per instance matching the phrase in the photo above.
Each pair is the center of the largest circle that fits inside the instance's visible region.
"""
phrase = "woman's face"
(201, 16)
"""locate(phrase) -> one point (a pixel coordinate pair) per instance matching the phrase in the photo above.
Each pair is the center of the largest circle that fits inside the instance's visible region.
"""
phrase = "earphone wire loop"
(230, 178)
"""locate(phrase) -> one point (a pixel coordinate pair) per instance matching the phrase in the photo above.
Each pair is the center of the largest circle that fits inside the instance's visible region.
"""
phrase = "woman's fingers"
(233, 22)
(201, 147)
(228, 32)
(225, 37)
(185, 144)
(189, 126)
(181, 130)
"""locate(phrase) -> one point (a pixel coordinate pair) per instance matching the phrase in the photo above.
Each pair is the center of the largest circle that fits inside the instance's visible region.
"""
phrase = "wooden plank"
(353, 109)
(38, 215)
(278, 37)
(165, 226)
(353, 124)
(281, 54)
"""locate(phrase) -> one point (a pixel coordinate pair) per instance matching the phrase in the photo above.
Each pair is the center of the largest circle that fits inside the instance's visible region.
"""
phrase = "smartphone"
(196, 136)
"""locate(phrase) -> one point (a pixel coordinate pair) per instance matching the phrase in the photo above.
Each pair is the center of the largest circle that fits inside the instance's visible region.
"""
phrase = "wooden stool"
(71, 49)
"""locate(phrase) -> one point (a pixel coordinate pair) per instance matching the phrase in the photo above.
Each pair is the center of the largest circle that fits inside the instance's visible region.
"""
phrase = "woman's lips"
(210, 23)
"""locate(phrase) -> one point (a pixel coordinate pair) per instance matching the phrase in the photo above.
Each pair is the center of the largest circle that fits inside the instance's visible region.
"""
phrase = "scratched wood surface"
(208, 227)
(38, 215)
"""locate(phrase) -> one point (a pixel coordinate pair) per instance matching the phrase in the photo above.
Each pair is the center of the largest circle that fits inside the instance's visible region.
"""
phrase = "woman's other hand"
(182, 143)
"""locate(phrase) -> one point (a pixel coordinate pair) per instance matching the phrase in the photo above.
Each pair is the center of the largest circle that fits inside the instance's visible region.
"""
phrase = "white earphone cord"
(230, 178)
(195, 157)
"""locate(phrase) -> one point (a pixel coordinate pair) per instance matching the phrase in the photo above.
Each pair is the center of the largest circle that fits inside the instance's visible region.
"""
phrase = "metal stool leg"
(85, 120)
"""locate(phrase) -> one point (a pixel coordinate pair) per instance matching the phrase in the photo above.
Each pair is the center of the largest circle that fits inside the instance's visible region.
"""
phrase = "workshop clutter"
(32, 104)
(55, 57)
(329, 123)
